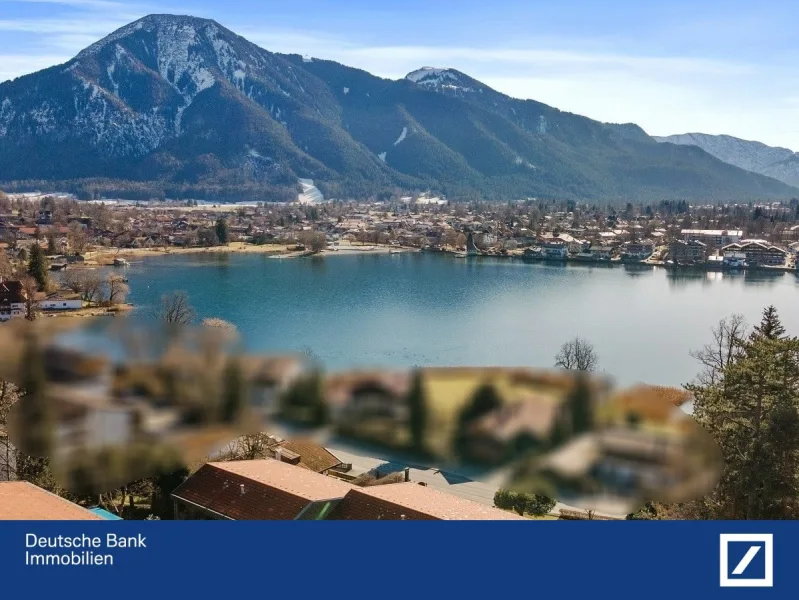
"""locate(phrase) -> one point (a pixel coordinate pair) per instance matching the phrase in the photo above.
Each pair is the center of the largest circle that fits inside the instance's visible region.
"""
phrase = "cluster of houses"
(14, 301)
(268, 490)
(693, 247)
(603, 248)
(728, 248)
(424, 222)
(275, 489)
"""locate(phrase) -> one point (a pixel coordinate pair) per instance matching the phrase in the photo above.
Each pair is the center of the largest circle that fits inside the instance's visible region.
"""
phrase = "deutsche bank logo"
(747, 559)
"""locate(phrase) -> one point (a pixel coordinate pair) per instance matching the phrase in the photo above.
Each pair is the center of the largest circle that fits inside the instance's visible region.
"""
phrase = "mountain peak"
(173, 104)
(429, 72)
(153, 22)
(443, 79)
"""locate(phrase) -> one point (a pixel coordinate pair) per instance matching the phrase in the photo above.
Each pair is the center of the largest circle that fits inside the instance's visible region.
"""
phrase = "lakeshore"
(106, 256)
(367, 309)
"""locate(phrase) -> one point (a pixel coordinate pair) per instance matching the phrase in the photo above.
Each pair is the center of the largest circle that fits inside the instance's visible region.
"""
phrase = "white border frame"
(768, 548)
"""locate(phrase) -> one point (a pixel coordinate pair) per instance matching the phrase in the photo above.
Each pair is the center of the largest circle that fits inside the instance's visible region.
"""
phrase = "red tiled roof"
(272, 490)
(396, 501)
(23, 501)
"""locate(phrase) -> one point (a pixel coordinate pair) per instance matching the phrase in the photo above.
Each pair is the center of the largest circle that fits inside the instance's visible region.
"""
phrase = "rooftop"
(397, 501)
(258, 489)
(312, 456)
(23, 501)
(736, 232)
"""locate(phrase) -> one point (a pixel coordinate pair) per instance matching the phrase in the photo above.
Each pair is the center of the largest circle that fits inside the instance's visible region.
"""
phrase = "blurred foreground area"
(110, 404)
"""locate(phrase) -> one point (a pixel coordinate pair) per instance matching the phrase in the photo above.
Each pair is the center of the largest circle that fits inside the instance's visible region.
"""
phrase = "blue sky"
(671, 66)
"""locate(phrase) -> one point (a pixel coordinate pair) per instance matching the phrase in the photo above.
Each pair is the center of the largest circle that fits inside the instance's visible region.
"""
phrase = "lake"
(400, 310)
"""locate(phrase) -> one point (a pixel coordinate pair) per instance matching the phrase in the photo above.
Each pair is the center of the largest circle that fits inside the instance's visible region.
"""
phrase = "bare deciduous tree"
(248, 447)
(5, 203)
(72, 279)
(577, 354)
(728, 336)
(76, 237)
(29, 290)
(87, 283)
(318, 241)
(117, 289)
(92, 286)
(6, 268)
(9, 394)
(175, 308)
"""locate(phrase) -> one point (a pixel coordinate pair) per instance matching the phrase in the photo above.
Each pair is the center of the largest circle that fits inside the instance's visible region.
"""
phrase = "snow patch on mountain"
(519, 161)
(346, 90)
(106, 123)
(543, 124)
(402, 136)
(428, 73)
(225, 55)
(382, 156)
(238, 78)
(7, 113)
(177, 59)
(43, 118)
(181, 65)
(119, 55)
(310, 193)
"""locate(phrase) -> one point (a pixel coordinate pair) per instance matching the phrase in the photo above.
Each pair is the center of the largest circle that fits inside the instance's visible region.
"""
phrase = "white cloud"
(14, 65)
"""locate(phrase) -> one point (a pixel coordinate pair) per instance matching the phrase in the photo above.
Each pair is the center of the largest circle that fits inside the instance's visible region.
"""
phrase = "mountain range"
(180, 106)
(779, 163)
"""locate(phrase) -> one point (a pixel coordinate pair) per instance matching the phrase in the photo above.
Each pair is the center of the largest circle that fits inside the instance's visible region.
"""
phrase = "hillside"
(181, 106)
(779, 163)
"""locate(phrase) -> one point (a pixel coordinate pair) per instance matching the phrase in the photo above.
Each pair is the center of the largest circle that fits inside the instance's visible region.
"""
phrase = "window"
(325, 511)
(317, 511)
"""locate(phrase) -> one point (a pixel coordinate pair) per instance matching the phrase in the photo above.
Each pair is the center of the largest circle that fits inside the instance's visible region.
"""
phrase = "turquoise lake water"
(421, 309)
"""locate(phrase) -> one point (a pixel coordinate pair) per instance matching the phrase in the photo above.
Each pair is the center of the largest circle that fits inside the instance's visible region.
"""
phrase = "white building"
(58, 303)
(555, 250)
(713, 237)
(734, 260)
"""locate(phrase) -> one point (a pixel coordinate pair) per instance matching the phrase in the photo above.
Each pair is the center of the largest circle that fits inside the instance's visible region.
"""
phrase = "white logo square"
(767, 541)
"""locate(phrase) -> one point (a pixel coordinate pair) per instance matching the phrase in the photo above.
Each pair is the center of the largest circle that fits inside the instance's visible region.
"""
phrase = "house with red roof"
(275, 490)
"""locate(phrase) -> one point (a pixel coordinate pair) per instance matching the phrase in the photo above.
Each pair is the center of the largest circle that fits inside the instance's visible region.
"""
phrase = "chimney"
(243, 491)
(279, 453)
(407, 473)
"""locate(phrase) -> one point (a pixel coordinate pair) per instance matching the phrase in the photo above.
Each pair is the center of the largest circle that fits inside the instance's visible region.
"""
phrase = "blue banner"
(309, 559)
